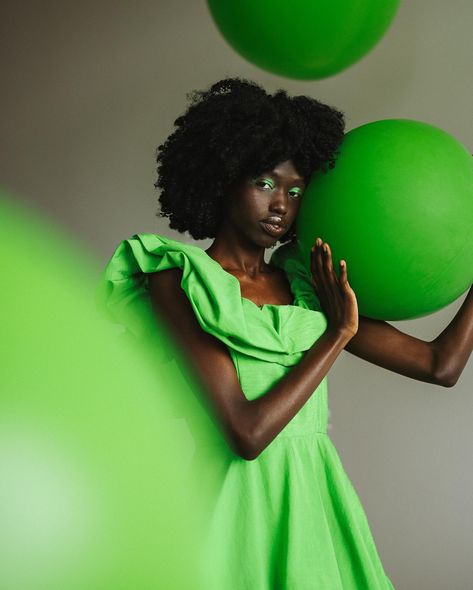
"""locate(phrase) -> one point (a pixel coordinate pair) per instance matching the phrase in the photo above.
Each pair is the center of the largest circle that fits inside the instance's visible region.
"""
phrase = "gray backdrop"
(90, 89)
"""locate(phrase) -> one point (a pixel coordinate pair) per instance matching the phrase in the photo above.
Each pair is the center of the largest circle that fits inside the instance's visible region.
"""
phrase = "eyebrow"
(294, 179)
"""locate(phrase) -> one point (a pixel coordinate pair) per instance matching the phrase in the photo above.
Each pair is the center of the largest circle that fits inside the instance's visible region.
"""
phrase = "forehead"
(287, 171)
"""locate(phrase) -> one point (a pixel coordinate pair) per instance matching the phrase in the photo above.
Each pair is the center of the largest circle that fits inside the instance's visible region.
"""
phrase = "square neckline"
(260, 307)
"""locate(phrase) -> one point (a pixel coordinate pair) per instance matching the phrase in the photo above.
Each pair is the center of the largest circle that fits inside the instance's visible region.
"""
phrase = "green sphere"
(303, 39)
(398, 207)
(91, 458)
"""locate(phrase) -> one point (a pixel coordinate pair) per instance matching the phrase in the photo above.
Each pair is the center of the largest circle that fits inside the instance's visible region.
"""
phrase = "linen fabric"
(289, 519)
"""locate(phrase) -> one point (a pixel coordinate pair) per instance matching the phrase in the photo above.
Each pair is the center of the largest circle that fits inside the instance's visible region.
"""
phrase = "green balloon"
(398, 207)
(92, 460)
(303, 39)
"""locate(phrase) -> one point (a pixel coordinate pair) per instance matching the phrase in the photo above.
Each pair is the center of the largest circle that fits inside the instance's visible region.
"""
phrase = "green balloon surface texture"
(91, 458)
(398, 207)
(303, 39)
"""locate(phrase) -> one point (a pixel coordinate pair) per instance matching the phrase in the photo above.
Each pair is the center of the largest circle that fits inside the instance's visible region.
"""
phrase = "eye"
(296, 192)
(264, 183)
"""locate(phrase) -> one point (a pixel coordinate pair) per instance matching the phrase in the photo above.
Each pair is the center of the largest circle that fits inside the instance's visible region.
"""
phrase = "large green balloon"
(398, 207)
(93, 486)
(304, 39)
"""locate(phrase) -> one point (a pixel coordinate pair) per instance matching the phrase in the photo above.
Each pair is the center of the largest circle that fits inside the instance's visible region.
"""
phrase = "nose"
(279, 201)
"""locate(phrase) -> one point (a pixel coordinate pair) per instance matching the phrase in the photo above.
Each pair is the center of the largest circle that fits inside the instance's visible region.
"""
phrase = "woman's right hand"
(337, 298)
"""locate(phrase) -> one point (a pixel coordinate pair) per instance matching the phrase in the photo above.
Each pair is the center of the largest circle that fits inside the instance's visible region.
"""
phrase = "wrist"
(340, 334)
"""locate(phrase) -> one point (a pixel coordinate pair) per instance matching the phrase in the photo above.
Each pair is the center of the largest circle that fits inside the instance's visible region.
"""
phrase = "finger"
(328, 270)
(313, 254)
(344, 275)
(313, 267)
(328, 259)
(318, 255)
(323, 276)
(316, 265)
(343, 272)
(322, 290)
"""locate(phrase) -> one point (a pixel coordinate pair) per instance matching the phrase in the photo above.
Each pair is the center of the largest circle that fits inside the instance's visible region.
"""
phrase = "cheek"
(295, 208)
(244, 208)
(252, 204)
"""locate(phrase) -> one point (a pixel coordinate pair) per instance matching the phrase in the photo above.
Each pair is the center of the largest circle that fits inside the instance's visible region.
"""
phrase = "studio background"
(90, 89)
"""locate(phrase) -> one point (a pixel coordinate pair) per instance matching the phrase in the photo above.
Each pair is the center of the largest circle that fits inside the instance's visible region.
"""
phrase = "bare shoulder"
(207, 355)
(163, 283)
(170, 302)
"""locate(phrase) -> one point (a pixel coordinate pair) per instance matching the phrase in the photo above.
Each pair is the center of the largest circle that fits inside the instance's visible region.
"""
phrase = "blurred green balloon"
(398, 207)
(304, 39)
(93, 483)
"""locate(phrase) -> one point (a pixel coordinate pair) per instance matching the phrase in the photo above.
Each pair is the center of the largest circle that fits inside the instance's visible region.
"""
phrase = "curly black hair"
(232, 130)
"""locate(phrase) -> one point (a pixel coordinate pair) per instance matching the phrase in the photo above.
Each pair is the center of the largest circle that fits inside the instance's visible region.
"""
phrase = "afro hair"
(232, 130)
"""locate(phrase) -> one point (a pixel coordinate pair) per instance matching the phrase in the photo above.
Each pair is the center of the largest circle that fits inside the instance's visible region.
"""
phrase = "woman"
(261, 337)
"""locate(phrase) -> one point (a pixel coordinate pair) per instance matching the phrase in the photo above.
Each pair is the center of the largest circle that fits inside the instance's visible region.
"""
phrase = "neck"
(235, 253)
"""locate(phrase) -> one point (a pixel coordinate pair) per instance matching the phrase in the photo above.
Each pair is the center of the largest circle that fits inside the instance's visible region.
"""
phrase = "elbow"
(246, 450)
(445, 379)
(245, 437)
(249, 456)
(448, 382)
(443, 373)
(246, 447)
(253, 454)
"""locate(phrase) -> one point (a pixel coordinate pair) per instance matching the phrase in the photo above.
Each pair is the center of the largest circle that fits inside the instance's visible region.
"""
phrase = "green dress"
(290, 519)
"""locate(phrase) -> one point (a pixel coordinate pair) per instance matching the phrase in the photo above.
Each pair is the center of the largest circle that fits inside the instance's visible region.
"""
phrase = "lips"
(274, 220)
(273, 229)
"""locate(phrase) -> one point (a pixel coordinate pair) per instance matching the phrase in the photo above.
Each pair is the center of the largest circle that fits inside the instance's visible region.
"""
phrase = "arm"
(248, 426)
(440, 361)
(384, 345)
(454, 345)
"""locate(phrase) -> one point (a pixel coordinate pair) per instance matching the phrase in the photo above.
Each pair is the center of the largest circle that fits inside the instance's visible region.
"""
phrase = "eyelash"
(255, 182)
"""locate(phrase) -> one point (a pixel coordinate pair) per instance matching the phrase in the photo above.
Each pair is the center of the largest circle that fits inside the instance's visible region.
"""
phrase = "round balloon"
(92, 459)
(303, 39)
(398, 207)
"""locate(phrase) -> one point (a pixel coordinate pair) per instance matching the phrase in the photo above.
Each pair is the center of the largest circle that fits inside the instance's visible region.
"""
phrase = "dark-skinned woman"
(261, 337)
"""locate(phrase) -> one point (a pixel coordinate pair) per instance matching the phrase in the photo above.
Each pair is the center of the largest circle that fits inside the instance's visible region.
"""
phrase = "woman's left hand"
(337, 298)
